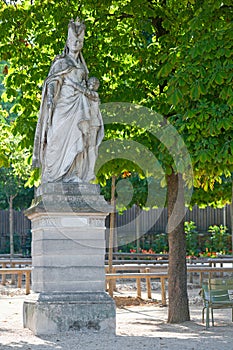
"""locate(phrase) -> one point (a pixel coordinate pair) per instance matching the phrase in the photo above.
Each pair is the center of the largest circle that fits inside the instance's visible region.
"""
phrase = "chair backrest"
(229, 283)
(219, 295)
(217, 283)
(221, 283)
(215, 290)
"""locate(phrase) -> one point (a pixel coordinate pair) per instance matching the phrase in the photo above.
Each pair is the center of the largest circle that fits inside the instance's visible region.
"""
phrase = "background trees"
(172, 56)
(14, 172)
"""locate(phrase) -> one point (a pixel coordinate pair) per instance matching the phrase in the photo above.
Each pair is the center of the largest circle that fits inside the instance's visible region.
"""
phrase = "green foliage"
(210, 244)
(12, 154)
(174, 57)
(13, 186)
(219, 237)
(199, 86)
(218, 197)
(132, 189)
(192, 247)
(160, 243)
(17, 245)
(14, 170)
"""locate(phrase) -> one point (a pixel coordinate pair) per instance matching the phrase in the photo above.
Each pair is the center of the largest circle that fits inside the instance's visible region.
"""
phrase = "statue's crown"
(75, 28)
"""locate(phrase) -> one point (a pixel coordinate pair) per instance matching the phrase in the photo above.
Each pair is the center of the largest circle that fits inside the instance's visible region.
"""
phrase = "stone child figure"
(70, 126)
(96, 120)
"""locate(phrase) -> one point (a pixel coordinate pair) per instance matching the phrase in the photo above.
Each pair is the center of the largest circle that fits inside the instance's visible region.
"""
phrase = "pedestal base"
(60, 312)
(68, 249)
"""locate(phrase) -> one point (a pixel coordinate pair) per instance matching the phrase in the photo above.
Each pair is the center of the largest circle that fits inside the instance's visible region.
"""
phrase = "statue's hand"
(94, 96)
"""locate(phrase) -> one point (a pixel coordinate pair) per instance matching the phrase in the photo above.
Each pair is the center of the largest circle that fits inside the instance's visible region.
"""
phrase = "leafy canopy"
(174, 57)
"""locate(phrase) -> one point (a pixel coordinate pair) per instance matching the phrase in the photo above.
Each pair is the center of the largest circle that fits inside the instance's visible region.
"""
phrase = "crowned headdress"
(75, 28)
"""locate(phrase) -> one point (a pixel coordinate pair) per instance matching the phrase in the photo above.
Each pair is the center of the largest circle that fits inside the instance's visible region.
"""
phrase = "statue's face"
(75, 44)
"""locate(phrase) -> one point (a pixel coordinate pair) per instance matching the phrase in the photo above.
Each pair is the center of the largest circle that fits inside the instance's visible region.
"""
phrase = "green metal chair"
(216, 296)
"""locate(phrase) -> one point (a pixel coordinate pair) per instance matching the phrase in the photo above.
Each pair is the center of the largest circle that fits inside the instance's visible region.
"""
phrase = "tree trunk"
(11, 226)
(111, 234)
(178, 309)
(137, 228)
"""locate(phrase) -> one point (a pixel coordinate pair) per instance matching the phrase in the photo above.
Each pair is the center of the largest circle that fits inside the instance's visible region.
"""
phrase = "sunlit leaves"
(176, 58)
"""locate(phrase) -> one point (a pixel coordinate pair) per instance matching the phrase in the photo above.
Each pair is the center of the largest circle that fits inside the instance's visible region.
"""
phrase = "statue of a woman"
(70, 126)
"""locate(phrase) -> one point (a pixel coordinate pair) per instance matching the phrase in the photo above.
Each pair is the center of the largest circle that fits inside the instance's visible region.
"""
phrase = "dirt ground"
(140, 325)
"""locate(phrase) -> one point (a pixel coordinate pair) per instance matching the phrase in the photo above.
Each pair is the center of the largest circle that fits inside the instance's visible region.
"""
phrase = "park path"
(138, 327)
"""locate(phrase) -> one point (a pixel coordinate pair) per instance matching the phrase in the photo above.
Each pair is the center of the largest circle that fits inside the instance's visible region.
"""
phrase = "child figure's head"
(93, 83)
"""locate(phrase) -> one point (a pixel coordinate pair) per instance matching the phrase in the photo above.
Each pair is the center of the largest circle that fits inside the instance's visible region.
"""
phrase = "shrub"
(219, 238)
(191, 238)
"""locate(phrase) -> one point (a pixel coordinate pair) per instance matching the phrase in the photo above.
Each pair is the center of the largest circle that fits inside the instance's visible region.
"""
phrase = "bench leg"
(139, 291)
(163, 291)
(148, 285)
(28, 275)
(3, 276)
(19, 280)
(3, 280)
(114, 281)
(12, 275)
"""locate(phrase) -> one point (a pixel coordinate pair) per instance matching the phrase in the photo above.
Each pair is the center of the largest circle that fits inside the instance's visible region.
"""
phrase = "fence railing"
(151, 222)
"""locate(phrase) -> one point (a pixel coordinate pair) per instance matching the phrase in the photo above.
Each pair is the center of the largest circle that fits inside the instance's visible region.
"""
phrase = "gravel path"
(138, 327)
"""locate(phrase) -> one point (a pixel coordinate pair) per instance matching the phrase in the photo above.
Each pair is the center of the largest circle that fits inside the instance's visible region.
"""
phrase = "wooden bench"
(217, 294)
(14, 262)
(161, 274)
(19, 271)
(138, 276)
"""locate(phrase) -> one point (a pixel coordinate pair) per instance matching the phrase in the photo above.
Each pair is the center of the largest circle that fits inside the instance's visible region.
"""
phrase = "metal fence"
(21, 227)
(155, 221)
(132, 221)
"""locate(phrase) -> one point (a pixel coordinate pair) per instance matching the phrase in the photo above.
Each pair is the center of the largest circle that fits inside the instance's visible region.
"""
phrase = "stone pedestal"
(68, 250)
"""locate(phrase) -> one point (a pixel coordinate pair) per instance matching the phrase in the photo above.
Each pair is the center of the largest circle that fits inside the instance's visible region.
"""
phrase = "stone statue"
(70, 126)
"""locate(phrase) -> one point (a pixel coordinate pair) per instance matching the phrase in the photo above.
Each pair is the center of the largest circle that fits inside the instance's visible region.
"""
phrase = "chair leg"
(203, 314)
(207, 317)
(232, 314)
(212, 315)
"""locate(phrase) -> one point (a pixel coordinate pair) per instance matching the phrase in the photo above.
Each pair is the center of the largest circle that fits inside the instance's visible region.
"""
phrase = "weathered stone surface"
(68, 260)
(70, 126)
(61, 245)
(84, 286)
(68, 213)
(68, 250)
(61, 276)
(56, 312)
(68, 197)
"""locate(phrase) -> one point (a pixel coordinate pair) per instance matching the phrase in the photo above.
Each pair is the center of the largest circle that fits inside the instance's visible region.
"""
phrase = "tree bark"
(11, 226)
(178, 308)
(137, 221)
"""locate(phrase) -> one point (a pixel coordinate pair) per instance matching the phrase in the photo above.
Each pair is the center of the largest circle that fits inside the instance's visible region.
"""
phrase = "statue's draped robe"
(59, 147)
